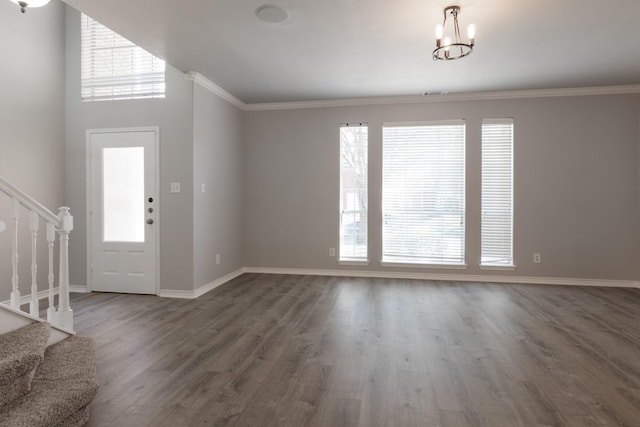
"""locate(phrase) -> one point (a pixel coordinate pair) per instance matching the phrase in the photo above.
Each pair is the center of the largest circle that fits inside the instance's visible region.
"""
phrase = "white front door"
(123, 210)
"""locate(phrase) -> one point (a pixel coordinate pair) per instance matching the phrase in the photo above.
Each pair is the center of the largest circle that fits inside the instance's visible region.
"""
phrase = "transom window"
(114, 68)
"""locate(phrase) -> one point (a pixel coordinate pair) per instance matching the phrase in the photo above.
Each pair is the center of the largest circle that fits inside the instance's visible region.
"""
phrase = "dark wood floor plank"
(339, 413)
(282, 350)
(380, 393)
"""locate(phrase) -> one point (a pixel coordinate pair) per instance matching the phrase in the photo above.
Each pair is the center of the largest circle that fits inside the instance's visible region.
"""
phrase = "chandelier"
(452, 47)
(30, 3)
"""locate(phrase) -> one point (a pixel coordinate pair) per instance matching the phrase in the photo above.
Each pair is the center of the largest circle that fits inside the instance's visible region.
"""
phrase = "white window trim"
(452, 122)
(346, 260)
(495, 266)
(421, 265)
(490, 267)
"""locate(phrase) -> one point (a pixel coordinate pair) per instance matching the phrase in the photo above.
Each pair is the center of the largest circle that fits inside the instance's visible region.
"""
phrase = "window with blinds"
(354, 143)
(423, 193)
(113, 68)
(497, 192)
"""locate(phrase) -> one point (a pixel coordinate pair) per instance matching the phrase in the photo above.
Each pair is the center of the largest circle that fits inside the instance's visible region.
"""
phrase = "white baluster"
(64, 315)
(34, 308)
(51, 238)
(15, 292)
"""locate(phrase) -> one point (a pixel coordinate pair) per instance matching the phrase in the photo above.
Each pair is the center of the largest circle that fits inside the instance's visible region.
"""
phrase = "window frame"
(341, 257)
(103, 77)
(390, 261)
(509, 263)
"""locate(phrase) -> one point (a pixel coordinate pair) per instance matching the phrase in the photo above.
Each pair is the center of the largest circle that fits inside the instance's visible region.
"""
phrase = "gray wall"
(576, 183)
(31, 121)
(272, 177)
(174, 117)
(217, 163)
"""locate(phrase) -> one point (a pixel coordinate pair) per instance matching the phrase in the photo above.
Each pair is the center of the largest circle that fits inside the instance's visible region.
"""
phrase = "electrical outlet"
(202, 188)
(536, 258)
(175, 187)
(218, 259)
(332, 251)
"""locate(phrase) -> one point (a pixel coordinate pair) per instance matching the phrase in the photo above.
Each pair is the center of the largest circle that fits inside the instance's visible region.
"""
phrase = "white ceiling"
(363, 48)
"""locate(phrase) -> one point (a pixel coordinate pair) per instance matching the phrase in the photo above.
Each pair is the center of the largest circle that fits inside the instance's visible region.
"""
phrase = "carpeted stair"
(42, 386)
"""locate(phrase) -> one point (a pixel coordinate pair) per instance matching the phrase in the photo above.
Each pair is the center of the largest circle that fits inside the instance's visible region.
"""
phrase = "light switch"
(202, 189)
(175, 187)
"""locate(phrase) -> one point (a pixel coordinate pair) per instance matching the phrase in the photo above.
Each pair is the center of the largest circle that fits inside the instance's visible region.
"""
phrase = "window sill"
(497, 267)
(434, 266)
(353, 262)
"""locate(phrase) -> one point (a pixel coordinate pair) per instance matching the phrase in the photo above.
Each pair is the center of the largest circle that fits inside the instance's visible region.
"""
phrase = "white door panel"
(123, 210)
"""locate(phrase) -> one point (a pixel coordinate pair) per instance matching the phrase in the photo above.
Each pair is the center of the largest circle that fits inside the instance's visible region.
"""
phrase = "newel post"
(64, 314)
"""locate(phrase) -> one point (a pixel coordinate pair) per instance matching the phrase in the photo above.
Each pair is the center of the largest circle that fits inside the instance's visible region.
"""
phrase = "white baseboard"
(450, 277)
(79, 289)
(222, 280)
(168, 293)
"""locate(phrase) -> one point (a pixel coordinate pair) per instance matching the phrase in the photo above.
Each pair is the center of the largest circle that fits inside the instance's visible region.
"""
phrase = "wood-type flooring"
(278, 350)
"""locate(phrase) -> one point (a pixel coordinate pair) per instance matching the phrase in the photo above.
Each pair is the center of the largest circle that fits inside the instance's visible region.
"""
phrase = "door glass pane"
(123, 194)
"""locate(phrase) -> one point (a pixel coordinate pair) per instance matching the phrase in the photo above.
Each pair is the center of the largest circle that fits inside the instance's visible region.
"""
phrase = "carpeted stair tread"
(69, 359)
(80, 418)
(21, 352)
(64, 384)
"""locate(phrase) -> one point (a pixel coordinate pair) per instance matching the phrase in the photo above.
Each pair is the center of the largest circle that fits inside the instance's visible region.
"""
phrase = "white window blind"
(423, 193)
(354, 143)
(497, 192)
(114, 68)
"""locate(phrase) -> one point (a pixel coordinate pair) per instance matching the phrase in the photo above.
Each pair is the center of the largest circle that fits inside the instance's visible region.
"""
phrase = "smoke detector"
(272, 14)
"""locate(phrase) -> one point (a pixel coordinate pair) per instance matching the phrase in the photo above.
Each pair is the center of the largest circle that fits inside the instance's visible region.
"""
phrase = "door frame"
(89, 196)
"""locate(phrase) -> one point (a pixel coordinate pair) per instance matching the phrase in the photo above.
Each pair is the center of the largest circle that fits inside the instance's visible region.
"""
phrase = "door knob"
(149, 221)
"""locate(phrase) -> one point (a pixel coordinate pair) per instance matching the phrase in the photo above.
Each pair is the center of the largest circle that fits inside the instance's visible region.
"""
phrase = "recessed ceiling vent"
(272, 14)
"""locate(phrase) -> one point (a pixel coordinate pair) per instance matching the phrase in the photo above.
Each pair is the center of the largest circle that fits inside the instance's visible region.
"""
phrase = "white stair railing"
(62, 224)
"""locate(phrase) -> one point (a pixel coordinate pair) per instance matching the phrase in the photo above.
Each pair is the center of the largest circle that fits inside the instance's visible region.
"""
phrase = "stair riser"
(11, 320)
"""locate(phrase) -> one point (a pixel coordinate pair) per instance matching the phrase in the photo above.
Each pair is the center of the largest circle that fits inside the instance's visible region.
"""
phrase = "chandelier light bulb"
(439, 31)
(24, 4)
(447, 42)
(471, 31)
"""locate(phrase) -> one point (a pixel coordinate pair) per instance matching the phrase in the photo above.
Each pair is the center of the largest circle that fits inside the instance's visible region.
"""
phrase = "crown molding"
(410, 99)
(452, 97)
(198, 78)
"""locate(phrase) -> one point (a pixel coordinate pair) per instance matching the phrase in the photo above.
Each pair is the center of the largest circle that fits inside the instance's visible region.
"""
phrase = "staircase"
(47, 373)
(44, 386)
(60, 224)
